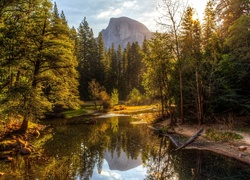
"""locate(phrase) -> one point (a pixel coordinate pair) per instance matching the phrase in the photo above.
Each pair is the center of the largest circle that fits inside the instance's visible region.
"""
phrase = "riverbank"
(229, 148)
(184, 132)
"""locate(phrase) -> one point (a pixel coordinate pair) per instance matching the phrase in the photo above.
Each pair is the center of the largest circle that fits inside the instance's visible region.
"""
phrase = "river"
(114, 148)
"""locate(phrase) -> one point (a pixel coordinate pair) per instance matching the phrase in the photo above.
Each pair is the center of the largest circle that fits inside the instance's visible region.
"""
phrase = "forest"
(197, 71)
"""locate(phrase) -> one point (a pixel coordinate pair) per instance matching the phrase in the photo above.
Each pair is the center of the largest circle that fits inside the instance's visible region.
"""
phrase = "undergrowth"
(216, 135)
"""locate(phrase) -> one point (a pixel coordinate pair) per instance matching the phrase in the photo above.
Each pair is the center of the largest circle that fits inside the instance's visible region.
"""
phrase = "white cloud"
(129, 4)
(109, 13)
(98, 12)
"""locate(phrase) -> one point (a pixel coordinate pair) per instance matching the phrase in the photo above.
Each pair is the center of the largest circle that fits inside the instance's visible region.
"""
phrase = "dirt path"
(230, 149)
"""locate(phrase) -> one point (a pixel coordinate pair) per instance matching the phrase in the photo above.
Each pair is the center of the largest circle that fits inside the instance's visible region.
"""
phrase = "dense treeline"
(112, 68)
(209, 61)
(198, 71)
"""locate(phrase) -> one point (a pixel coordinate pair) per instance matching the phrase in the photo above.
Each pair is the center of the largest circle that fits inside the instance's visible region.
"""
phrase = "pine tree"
(119, 57)
(229, 11)
(113, 70)
(45, 71)
(237, 64)
(63, 18)
(159, 71)
(209, 25)
(191, 54)
(56, 13)
(102, 68)
(136, 67)
(126, 66)
(86, 56)
(212, 48)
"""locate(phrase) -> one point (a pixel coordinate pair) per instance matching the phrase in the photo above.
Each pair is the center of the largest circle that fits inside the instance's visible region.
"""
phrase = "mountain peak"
(123, 30)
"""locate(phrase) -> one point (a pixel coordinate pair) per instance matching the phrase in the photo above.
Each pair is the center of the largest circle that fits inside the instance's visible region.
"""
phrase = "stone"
(242, 148)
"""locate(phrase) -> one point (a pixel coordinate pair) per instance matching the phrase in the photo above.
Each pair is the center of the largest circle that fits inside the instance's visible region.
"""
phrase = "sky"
(99, 12)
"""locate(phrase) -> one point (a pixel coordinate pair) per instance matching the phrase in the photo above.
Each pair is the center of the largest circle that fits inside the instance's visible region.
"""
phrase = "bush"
(114, 97)
(135, 97)
(216, 135)
(105, 100)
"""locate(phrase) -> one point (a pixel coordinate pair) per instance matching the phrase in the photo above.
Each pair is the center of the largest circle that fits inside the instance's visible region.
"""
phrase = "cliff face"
(123, 30)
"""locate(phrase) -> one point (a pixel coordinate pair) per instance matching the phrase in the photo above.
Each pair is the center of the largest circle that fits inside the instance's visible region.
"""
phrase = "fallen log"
(172, 139)
(153, 128)
(190, 140)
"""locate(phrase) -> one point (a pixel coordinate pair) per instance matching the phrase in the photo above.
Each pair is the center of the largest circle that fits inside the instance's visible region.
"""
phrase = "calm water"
(116, 149)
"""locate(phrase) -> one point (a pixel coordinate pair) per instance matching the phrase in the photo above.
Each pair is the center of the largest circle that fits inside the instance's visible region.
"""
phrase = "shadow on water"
(113, 148)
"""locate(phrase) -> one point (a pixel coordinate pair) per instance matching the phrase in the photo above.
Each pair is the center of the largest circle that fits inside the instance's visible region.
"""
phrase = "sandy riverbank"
(230, 149)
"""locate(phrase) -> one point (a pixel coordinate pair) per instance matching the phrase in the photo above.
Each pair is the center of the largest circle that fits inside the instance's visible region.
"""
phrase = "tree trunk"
(24, 125)
(199, 99)
(162, 102)
(181, 96)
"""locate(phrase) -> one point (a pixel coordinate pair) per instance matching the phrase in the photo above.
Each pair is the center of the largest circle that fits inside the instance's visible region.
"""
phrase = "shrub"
(105, 100)
(135, 97)
(114, 97)
(216, 135)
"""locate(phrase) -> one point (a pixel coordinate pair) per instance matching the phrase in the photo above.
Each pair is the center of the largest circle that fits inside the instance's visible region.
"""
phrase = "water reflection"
(116, 149)
(112, 139)
(120, 161)
(166, 163)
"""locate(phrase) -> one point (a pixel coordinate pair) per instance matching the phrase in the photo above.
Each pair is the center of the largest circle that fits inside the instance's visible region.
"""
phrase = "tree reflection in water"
(166, 163)
(85, 146)
(161, 163)
(81, 151)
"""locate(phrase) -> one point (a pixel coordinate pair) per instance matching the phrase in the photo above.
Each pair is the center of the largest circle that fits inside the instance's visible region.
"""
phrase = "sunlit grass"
(74, 113)
(138, 107)
(89, 108)
(216, 135)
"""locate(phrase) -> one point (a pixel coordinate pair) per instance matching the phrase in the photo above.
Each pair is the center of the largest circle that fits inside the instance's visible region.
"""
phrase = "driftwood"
(172, 139)
(153, 128)
(192, 139)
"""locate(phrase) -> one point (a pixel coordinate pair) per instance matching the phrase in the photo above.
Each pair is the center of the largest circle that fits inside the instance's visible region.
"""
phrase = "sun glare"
(195, 17)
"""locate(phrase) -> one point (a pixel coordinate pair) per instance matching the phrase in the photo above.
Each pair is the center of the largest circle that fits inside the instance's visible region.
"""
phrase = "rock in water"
(123, 30)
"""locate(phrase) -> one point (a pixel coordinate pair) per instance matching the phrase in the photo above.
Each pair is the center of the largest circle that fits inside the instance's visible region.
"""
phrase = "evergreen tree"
(229, 11)
(212, 48)
(63, 18)
(209, 25)
(158, 76)
(56, 13)
(235, 66)
(86, 56)
(74, 38)
(135, 67)
(113, 70)
(102, 68)
(191, 54)
(126, 66)
(45, 75)
(119, 57)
